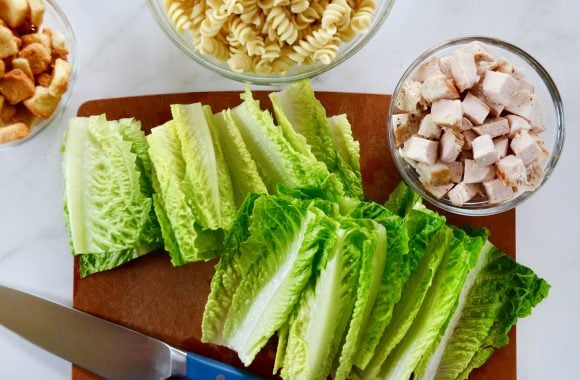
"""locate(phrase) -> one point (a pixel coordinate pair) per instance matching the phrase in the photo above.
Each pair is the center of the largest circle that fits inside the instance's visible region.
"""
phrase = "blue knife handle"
(202, 368)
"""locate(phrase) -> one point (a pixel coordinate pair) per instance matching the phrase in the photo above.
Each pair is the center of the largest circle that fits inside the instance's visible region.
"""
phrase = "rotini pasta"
(270, 36)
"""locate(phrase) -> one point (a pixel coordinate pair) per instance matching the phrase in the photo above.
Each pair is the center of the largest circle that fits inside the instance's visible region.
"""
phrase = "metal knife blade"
(100, 346)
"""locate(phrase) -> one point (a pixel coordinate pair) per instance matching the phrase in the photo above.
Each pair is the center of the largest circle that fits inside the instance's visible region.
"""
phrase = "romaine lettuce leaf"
(297, 107)
(346, 146)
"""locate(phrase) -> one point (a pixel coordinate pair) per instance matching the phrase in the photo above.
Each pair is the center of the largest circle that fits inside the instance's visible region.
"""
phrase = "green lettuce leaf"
(297, 107)
(346, 146)
(286, 236)
(277, 160)
(242, 168)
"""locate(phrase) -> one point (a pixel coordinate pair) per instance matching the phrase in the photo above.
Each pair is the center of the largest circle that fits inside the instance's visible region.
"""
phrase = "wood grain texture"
(151, 296)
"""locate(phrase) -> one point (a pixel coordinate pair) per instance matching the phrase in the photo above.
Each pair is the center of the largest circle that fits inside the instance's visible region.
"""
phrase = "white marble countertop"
(123, 52)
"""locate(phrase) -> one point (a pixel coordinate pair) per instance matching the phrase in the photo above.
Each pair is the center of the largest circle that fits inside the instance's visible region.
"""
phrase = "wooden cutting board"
(151, 296)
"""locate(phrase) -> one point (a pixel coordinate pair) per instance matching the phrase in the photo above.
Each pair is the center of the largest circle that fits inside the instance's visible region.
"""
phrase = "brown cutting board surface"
(151, 296)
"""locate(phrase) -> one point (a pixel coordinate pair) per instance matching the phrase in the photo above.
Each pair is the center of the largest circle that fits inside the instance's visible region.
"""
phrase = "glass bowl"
(184, 41)
(552, 112)
(55, 19)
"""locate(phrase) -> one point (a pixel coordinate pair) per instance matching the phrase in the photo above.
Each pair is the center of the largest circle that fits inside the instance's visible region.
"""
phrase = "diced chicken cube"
(462, 193)
(527, 105)
(438, 87)
(451, 144)
(473, 173)
(466, 124)
(517, 124)
(468, 137)
(525, 147)
(409, 98)
(436, 174)
(511, 170)
(497, 191)
(483, 67)
(456, 168)
(484, 152)
(445, 66)
(474, 109)
(428, 129)
(464, 70)
(535, 172)
(499, 87)
(437, 191)
(524, 84)
(421, 150)
(494, 127)
(503, 65)
(494, 109)
(501, 145)
(405, 125)
(480, 51)
(426, 70)
(447, 113)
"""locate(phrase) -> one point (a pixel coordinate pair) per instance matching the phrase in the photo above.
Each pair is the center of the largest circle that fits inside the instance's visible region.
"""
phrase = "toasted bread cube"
(499, 87)
(405, 125)
(501, 145)
(474, 109)
(525, 147)
(451, 144)
(421, 150)
(43, 103)
(2, 68)
(13, 132)
(456, 168)
(22, 115)
(22, 64)
(447, 113)
(511, 170)
(8, 46)
(436, 174)
(37, 9)
(43, 79)
(38, 57)
(497, 191)
(484, 152)
(437, 191)
(428, 129)
(58, 42)
(464, 70)
(7, 112)
(468, 137)
(494, 127)
(409, 98)
(426, 70)
(462, 193)
(14, 12)
(16, 86)
(60, 77)
(41, 38)
(438, 87)
(474, 173)
(527, 105)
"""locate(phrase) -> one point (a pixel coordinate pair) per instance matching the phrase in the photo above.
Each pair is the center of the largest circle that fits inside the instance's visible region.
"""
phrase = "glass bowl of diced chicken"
(476, 126)
(37, 68)
(270, 42)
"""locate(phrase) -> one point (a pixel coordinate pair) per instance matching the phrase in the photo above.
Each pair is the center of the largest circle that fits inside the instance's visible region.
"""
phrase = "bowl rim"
(262, 79)
(484, 209)
(71, 46)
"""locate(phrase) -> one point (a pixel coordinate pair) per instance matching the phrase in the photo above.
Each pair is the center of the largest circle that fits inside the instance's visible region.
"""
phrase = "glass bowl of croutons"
(37, 67)
(270, 42)
(476, 126)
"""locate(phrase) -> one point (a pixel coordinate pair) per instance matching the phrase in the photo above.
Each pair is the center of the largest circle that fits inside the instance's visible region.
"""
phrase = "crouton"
(42, 104)
(8, 46)
(16, 86)
(43, 79)
(7, 112)
(38, 57)
(13, 132)
(60, 77)
(41, 38)
(14, 12)
(37, 9)
(22, 64)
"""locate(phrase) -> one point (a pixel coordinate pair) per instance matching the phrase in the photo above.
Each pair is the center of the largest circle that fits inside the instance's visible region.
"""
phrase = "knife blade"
(105, 348)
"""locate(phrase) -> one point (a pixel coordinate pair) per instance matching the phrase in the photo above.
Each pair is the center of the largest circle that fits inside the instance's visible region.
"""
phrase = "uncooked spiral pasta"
(270, 36)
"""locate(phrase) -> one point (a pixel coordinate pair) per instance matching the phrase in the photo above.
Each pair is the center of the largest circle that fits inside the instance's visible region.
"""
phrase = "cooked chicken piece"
(474, 109)
(468, 137)
(501, 145)
(456, 168)
(517, 124)
(473, 173)
(497, 191)
(464, 70)
(451, 144)
(462, 193)
(466, 124)
(437, 191)
(479, 51)
(405, 125)
(484, 152)
(447, 113)
(421, 150)
(409, 98)
(426, 70)
(436, 174)
(525, 147)
(535, 172)
(511, 170)
(494, 127)
(503, 65)
(499, 87)
(527, 105)
(428, 129)
(445, 66)
(523, 83)
(438, 87)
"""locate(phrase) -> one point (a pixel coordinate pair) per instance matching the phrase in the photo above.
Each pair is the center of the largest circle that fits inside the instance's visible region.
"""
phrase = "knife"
(105, 348)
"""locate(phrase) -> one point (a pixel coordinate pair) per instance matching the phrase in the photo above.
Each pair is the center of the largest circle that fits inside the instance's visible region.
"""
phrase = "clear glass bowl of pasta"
(270, 41)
